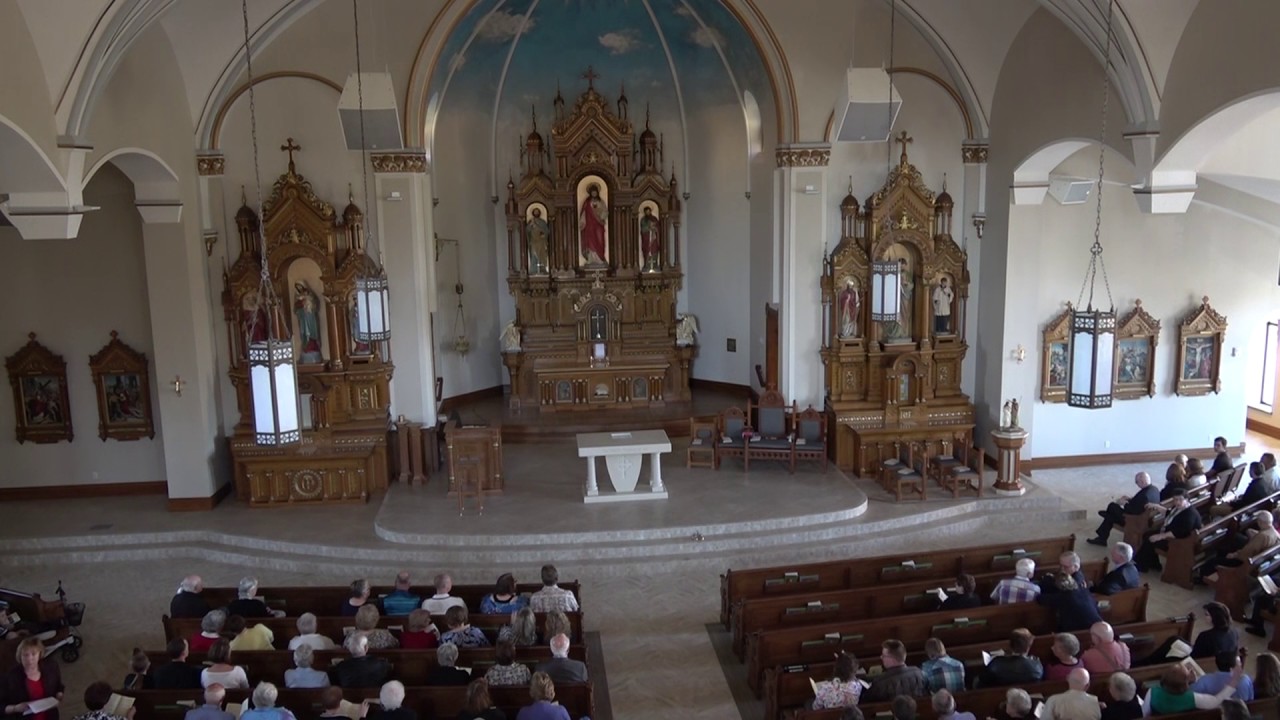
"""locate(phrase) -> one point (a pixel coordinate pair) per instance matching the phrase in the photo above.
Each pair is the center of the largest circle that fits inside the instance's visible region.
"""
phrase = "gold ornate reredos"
(1205, 319)
(905, 175)
(293, 185)
(590, 108)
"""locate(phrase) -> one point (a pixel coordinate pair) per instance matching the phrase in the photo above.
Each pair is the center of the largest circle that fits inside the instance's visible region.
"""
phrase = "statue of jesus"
(593, 224)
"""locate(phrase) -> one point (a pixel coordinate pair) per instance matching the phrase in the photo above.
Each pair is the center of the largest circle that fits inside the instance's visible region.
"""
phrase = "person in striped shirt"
(941, 671)
(1020, 588)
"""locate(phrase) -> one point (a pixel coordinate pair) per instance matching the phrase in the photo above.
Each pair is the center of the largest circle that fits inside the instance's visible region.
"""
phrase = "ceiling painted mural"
(676, 57)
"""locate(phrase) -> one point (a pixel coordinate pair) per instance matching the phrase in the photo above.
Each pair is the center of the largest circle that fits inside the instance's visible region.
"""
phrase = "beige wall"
(73, 293)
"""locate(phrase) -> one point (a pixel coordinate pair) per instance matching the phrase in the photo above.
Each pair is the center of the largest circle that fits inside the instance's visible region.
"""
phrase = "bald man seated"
(1133, 506)
(188, 601)
(1074, 704)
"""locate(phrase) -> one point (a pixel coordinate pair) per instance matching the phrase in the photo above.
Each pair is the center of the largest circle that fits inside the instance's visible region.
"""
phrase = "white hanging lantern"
(372, 322)
(273, 379)
(1093, 335)
(886, 290)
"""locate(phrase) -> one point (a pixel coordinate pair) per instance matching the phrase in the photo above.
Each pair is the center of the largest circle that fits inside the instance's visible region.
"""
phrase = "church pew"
(754, 614)
(848, 573)
(1236, 583)
(429, 702)
(1184, 555)
(788, 687)
(785, 646)
(334, 628)
(408, 666)
(1136, 528)
(327, 600)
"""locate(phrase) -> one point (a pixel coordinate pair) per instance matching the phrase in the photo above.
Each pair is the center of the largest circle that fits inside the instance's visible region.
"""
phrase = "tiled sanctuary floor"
(652, 616)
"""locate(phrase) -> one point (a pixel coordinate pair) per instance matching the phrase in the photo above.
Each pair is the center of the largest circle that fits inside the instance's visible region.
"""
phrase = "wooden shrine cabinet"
(475, 458)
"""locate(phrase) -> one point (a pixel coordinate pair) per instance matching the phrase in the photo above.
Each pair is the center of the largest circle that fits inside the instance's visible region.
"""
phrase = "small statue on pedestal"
(511, 337)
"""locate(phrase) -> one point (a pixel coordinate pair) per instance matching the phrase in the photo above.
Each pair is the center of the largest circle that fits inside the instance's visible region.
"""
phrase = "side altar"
(314, 257)
(593, 262)
(892, 362)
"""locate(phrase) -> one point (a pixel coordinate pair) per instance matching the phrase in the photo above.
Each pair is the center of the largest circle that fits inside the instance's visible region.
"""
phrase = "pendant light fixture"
(1093, 330)
(273, 374)
(372, 313)
(886, 278)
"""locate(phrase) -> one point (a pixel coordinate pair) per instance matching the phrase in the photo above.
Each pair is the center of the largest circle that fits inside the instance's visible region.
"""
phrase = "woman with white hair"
(304, 676)
(391, 700)
(444, 673)
(264, 705)
(307, 635)
(247, 603)
(1017, 705)
(1124, 703)
(210, 630)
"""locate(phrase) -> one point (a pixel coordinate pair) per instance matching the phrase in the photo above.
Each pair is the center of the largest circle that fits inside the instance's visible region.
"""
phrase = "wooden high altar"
(893, 383)
(314, 258)
(593, 260)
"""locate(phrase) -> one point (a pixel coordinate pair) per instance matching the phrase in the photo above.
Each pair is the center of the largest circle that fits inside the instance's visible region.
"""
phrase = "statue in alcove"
(850, 303)
(306, 305)
(650, 241)
(943, 296)
(253, 320)
(593, 226)
(539, 233)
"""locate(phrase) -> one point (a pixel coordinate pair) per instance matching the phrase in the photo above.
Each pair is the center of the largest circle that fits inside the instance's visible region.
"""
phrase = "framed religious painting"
(1055, 358)
(1200, 340)
(41, 405)
(1136, 337)
(123, 386)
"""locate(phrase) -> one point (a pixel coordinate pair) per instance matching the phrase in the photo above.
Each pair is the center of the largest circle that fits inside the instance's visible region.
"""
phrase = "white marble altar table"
(623, 453)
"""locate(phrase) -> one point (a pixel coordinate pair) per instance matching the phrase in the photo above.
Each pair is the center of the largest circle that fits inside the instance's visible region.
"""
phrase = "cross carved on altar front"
(903, 138)
(591, 76)
(290, 146)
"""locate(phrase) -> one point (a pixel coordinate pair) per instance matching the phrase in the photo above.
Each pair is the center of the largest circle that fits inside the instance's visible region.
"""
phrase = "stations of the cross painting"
(290, 147)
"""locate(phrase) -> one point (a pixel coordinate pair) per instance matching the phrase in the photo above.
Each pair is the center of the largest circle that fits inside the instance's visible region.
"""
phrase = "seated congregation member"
(367, 622)
(504, 598)
(1123, 575)
(1174, 694)
(843, 689)
(460, 632)
(1065, 657)
(1014, 668)
(1175, 478)
(307, 635)
(898, 678)
(1220, 637)
(264, 705)
(220, 669)
(177, 674)
(944, 707)
(248, 604)
(966, 598)
(505, 670)
(445, 672)
(331, 704)
(440, 603)
(1074, 704)
(212, 708)
(1129, 506)
(903, 707)
(1072, 602)
(96, 697)
(361, 670)
(560, 667)
(360, 590)
(401, 601)
(1180, 522)
(552, 596)
(1258, 488)
(1211, 683)
(1019, 588)
(1068, 564)
(1233, 709)
(523, 630)
(210, 630)
(1105, 654)
(544, 707)
(188, 602)
(303, 675)
(258, 637)
(391, 703)
(941, 671)
(1123, 703)
(1221, 460)
(1264, 537)
(1266, 677)
(1195, 474)
(1017, 705)
(139, 677)
(479, 705)
(557, 623)
(35, 677)
(420, 633)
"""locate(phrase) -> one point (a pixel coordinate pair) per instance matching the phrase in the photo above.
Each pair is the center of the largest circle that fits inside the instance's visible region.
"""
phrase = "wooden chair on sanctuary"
(811, 437)
(774, 438)
(732, 440)
(702, 444)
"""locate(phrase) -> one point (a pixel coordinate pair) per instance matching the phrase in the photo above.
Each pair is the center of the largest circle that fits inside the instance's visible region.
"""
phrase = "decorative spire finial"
(591, 76)
(290, 147)
(903, 138)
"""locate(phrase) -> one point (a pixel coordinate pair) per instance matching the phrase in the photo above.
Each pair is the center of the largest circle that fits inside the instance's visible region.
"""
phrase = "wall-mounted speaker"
(867, 108)
(1070, 190)
(381, 119)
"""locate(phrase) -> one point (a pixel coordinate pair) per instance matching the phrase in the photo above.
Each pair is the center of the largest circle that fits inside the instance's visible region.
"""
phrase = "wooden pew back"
(326, 601)
(1185, 554)
(334, 628)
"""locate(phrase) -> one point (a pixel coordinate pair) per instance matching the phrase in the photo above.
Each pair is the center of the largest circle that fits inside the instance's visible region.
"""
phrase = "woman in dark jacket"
(33, 679)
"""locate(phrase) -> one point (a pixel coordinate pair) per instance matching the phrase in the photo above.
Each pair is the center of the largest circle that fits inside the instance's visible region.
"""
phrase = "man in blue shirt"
(401, 601)
(212, 708)
(1212, 683)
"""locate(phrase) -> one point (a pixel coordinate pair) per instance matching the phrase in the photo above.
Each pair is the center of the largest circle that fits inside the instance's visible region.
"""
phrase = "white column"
(965, 230)
(801, 184)
(406, 239)
(592, 488)
(655, 473)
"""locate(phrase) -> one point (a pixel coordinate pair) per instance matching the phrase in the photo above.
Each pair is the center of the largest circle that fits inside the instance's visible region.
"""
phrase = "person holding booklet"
(1174, 693)
(102, 704)
(842, 690)
(34, 686)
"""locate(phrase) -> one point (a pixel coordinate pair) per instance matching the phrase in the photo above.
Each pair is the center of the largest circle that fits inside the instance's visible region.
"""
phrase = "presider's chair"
(733, 430)
(773, 438)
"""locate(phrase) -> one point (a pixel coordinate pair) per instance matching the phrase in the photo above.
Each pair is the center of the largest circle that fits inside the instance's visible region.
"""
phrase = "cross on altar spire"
(903, 138)
(591, 76)
(290, 146)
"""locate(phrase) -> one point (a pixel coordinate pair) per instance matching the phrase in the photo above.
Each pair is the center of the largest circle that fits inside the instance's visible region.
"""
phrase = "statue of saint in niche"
(943, 295)
(850, 303)
(539, 234)
(306, 306)
(593, 226)
(650, 239)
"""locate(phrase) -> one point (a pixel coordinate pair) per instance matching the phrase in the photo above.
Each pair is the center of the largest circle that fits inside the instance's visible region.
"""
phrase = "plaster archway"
(1187, 154)
(155, 184)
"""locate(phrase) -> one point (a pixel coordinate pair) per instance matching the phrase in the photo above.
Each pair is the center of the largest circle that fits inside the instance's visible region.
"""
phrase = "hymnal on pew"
(1268, 585)
(1179, 650)
(118, 705)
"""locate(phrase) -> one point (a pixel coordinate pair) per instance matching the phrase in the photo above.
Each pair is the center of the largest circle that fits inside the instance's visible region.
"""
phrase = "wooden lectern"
(475, 460)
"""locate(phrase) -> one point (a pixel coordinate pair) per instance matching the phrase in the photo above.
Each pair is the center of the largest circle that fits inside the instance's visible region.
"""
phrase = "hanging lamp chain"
(364, 147)
(888, 71)
(1096, 262)
(266, 291)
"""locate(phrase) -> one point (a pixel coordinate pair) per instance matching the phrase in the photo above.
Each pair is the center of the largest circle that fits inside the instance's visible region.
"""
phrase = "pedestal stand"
(1009, 442)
